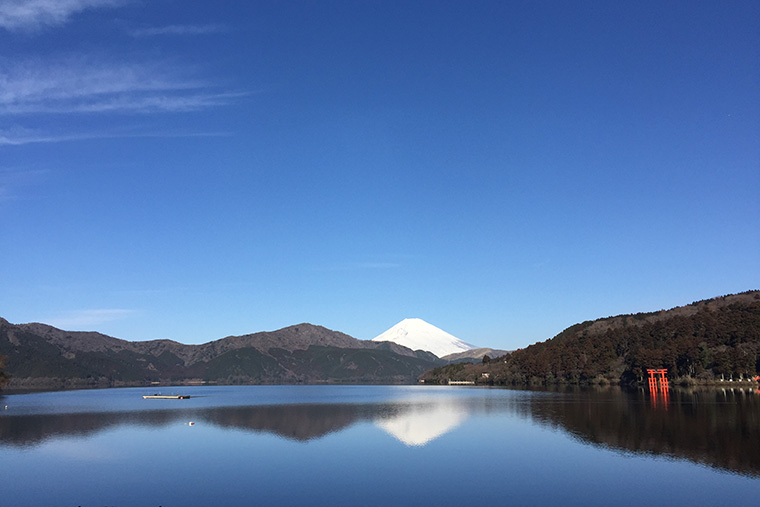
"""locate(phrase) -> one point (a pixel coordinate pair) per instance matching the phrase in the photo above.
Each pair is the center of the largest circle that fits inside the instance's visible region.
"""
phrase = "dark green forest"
(707, 341)
(37, 356)
(3, 376)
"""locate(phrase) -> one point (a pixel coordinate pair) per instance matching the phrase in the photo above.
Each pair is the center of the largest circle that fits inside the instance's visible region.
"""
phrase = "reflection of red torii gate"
(658, 386)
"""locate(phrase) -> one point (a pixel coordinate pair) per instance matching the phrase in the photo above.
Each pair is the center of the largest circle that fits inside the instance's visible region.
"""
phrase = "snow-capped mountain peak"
(419, 335)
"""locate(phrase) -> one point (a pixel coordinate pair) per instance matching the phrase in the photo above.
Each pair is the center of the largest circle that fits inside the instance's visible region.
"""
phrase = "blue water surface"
(366, 445)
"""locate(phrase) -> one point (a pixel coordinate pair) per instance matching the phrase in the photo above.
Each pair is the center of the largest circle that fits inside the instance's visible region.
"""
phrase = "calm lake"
(379, 445)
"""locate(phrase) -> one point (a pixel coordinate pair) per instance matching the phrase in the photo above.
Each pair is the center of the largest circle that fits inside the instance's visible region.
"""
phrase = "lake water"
(379, 445)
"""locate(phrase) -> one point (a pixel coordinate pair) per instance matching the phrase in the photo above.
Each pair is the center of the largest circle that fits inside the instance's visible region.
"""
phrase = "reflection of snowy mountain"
(419, 424)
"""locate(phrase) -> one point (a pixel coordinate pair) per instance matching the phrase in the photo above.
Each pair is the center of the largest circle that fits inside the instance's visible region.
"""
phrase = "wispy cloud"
(20, 137)
(36, 14)
(77, 85)
(80, 319)
(135, 102)
(177, 30)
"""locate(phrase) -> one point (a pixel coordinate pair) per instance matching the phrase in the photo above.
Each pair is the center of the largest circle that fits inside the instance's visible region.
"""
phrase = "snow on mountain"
(419, 335)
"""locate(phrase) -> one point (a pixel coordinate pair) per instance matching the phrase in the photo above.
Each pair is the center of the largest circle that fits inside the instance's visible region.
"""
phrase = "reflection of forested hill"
(25, 430)
(720, 428)
(716, 338)
(296, 422)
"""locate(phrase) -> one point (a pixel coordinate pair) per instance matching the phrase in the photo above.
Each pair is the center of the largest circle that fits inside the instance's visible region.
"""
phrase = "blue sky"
(192, 170)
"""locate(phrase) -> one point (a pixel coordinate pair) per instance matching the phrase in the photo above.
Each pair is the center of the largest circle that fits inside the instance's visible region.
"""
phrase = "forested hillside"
(41, 356)
(3, 375)
(704, 341)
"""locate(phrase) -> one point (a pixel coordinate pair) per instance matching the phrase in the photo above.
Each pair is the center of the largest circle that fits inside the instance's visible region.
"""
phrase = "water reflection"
(659, 396)
(411, 423)
(296, 422)
(417, 425)
(30, 430)
(719, 428)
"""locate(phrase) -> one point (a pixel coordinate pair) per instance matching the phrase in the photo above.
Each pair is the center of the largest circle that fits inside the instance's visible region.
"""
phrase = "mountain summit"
(43, 357)
(419, 335)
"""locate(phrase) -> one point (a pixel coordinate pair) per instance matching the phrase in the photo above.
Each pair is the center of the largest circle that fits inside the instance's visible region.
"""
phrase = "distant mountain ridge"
(39, 355)
(474, 355)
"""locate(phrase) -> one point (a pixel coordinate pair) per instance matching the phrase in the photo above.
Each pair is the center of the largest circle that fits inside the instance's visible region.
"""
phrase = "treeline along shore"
(709, 341)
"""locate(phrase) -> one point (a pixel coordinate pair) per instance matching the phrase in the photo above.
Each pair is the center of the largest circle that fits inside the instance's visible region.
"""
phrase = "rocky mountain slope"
(42, 356)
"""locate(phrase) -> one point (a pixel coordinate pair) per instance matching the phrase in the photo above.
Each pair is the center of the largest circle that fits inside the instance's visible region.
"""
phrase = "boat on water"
(165, 397)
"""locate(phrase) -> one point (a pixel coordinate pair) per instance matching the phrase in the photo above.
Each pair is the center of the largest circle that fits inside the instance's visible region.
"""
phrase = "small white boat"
(165, 397)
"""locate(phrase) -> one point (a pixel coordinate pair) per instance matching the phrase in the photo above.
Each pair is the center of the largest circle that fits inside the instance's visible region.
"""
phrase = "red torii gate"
(658, 379)
(658, 387)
